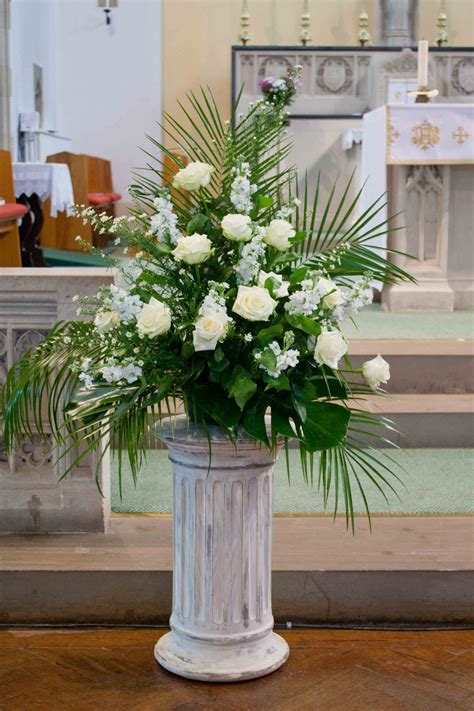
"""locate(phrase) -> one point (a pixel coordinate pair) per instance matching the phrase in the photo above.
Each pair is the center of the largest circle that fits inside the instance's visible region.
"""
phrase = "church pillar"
(5, 82)
(397, 22)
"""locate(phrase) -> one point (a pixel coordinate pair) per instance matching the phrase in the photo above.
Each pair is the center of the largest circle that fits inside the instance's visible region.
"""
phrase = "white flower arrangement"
(231, 303)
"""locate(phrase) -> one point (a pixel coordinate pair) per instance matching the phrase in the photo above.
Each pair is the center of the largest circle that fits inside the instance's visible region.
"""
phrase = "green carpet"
(373, 322)
(437, 481)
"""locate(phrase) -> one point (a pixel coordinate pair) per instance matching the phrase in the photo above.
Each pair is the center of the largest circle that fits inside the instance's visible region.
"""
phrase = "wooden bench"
(92, 185)
(10, 213)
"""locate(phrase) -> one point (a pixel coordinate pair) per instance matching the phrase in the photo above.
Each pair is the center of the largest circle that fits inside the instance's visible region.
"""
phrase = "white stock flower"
(254, 303)
(376, 371)
(237, 227)
(330, 347)
(281, 290)
(106, 320)
(193, 176)
(193, 249)
(209, 329)
(278, 234)
(154, 319)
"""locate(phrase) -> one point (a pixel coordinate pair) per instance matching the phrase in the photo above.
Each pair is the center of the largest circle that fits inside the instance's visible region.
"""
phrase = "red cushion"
(115, 197)
(99, 199)
(12, 211)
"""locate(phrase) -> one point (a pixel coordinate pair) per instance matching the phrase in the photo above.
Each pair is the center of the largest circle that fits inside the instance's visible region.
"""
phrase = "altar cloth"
(47, 180)
(411, 134)
(429, 133)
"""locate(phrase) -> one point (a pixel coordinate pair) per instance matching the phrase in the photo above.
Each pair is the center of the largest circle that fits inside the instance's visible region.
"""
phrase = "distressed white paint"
(222, 623)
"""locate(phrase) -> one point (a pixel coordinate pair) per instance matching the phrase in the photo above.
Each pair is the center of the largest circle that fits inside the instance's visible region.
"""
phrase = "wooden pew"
(10, 213)
(61, 232)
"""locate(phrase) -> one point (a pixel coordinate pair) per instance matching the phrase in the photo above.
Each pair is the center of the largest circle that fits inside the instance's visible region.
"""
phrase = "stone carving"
(462, 76)
(275, 65)
(3, 357)
(24, 340)
(405, 63)
(36, 452)
(424, 201)
(335, 75)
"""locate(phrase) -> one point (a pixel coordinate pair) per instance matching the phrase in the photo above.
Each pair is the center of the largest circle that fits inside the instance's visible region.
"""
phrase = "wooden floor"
(82, 670)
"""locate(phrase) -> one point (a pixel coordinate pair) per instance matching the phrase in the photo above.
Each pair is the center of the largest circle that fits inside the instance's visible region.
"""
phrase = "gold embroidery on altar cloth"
(393, 133)
(460, 135)
(425, 136)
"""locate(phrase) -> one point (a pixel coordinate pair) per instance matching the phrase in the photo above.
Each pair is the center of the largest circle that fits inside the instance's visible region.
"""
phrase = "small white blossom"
(241, 189)
(248, 267)
(163, 222)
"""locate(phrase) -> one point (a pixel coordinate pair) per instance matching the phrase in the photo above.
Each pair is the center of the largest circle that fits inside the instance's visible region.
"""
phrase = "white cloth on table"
(47, 180)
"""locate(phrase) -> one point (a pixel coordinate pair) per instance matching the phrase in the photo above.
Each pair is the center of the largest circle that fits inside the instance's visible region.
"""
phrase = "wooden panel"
(10, 255)
(61, 233)
(107, 176)
(7, 191)
(143, 543)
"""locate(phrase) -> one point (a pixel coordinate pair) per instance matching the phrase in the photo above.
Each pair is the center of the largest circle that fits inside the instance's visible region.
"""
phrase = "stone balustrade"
(31, 499)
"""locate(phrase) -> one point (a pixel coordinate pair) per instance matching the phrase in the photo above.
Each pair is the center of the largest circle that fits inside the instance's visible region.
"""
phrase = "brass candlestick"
(363, 36)
(245, 35)
(305, 34)
(423, 94)
(441, 37)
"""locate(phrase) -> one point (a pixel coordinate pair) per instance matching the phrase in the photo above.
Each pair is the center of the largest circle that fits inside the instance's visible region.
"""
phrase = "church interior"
(380, 112)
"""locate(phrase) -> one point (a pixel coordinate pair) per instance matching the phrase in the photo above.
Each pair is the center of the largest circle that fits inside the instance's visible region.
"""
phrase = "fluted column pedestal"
(222, 623)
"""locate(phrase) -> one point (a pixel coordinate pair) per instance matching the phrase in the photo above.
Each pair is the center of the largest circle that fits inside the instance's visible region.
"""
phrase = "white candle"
(423, 64)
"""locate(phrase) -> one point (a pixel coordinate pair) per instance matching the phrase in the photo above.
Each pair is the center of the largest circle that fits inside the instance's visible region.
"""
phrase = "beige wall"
(198, 34)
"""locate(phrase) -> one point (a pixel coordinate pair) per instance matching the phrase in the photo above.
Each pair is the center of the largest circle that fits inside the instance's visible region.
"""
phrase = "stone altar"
(339, 86)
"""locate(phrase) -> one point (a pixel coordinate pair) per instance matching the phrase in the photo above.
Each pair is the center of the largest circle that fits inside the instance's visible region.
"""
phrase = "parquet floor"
(98, 670)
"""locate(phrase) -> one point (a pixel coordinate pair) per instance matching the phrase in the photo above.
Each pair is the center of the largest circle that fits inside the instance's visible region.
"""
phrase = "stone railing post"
(31, 499)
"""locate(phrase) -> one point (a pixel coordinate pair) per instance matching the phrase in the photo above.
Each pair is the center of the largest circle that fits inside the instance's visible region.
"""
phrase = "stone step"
(427, 420)
(410, 569)
(425, 366)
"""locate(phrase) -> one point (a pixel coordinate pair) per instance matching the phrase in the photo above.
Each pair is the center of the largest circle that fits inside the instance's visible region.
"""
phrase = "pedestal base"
(423, 297)
(235, 661)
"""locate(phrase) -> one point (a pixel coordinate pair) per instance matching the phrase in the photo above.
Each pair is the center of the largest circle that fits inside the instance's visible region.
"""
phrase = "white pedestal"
(222, 623)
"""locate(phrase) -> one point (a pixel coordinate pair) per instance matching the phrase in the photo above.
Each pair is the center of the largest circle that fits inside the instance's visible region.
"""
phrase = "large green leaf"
(241, 386)
(325, 425)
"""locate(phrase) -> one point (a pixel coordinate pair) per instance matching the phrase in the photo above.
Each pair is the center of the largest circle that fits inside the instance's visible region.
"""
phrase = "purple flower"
(266, 84)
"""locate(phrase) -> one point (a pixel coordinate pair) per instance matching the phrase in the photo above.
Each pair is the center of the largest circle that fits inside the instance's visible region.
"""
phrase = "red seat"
(99, 199)
(12, 211)
(115, 197)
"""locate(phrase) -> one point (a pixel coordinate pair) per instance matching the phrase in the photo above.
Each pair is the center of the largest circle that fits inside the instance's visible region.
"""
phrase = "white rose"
(323, 286)
(281, 290)
(330, 347)
(334, 298)
(254, 303)
(278, 234)
(376, 371)
(237, 227)
(209, 329)
(194, 176)
(193, 249)
(106, 320)
(154, 319)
